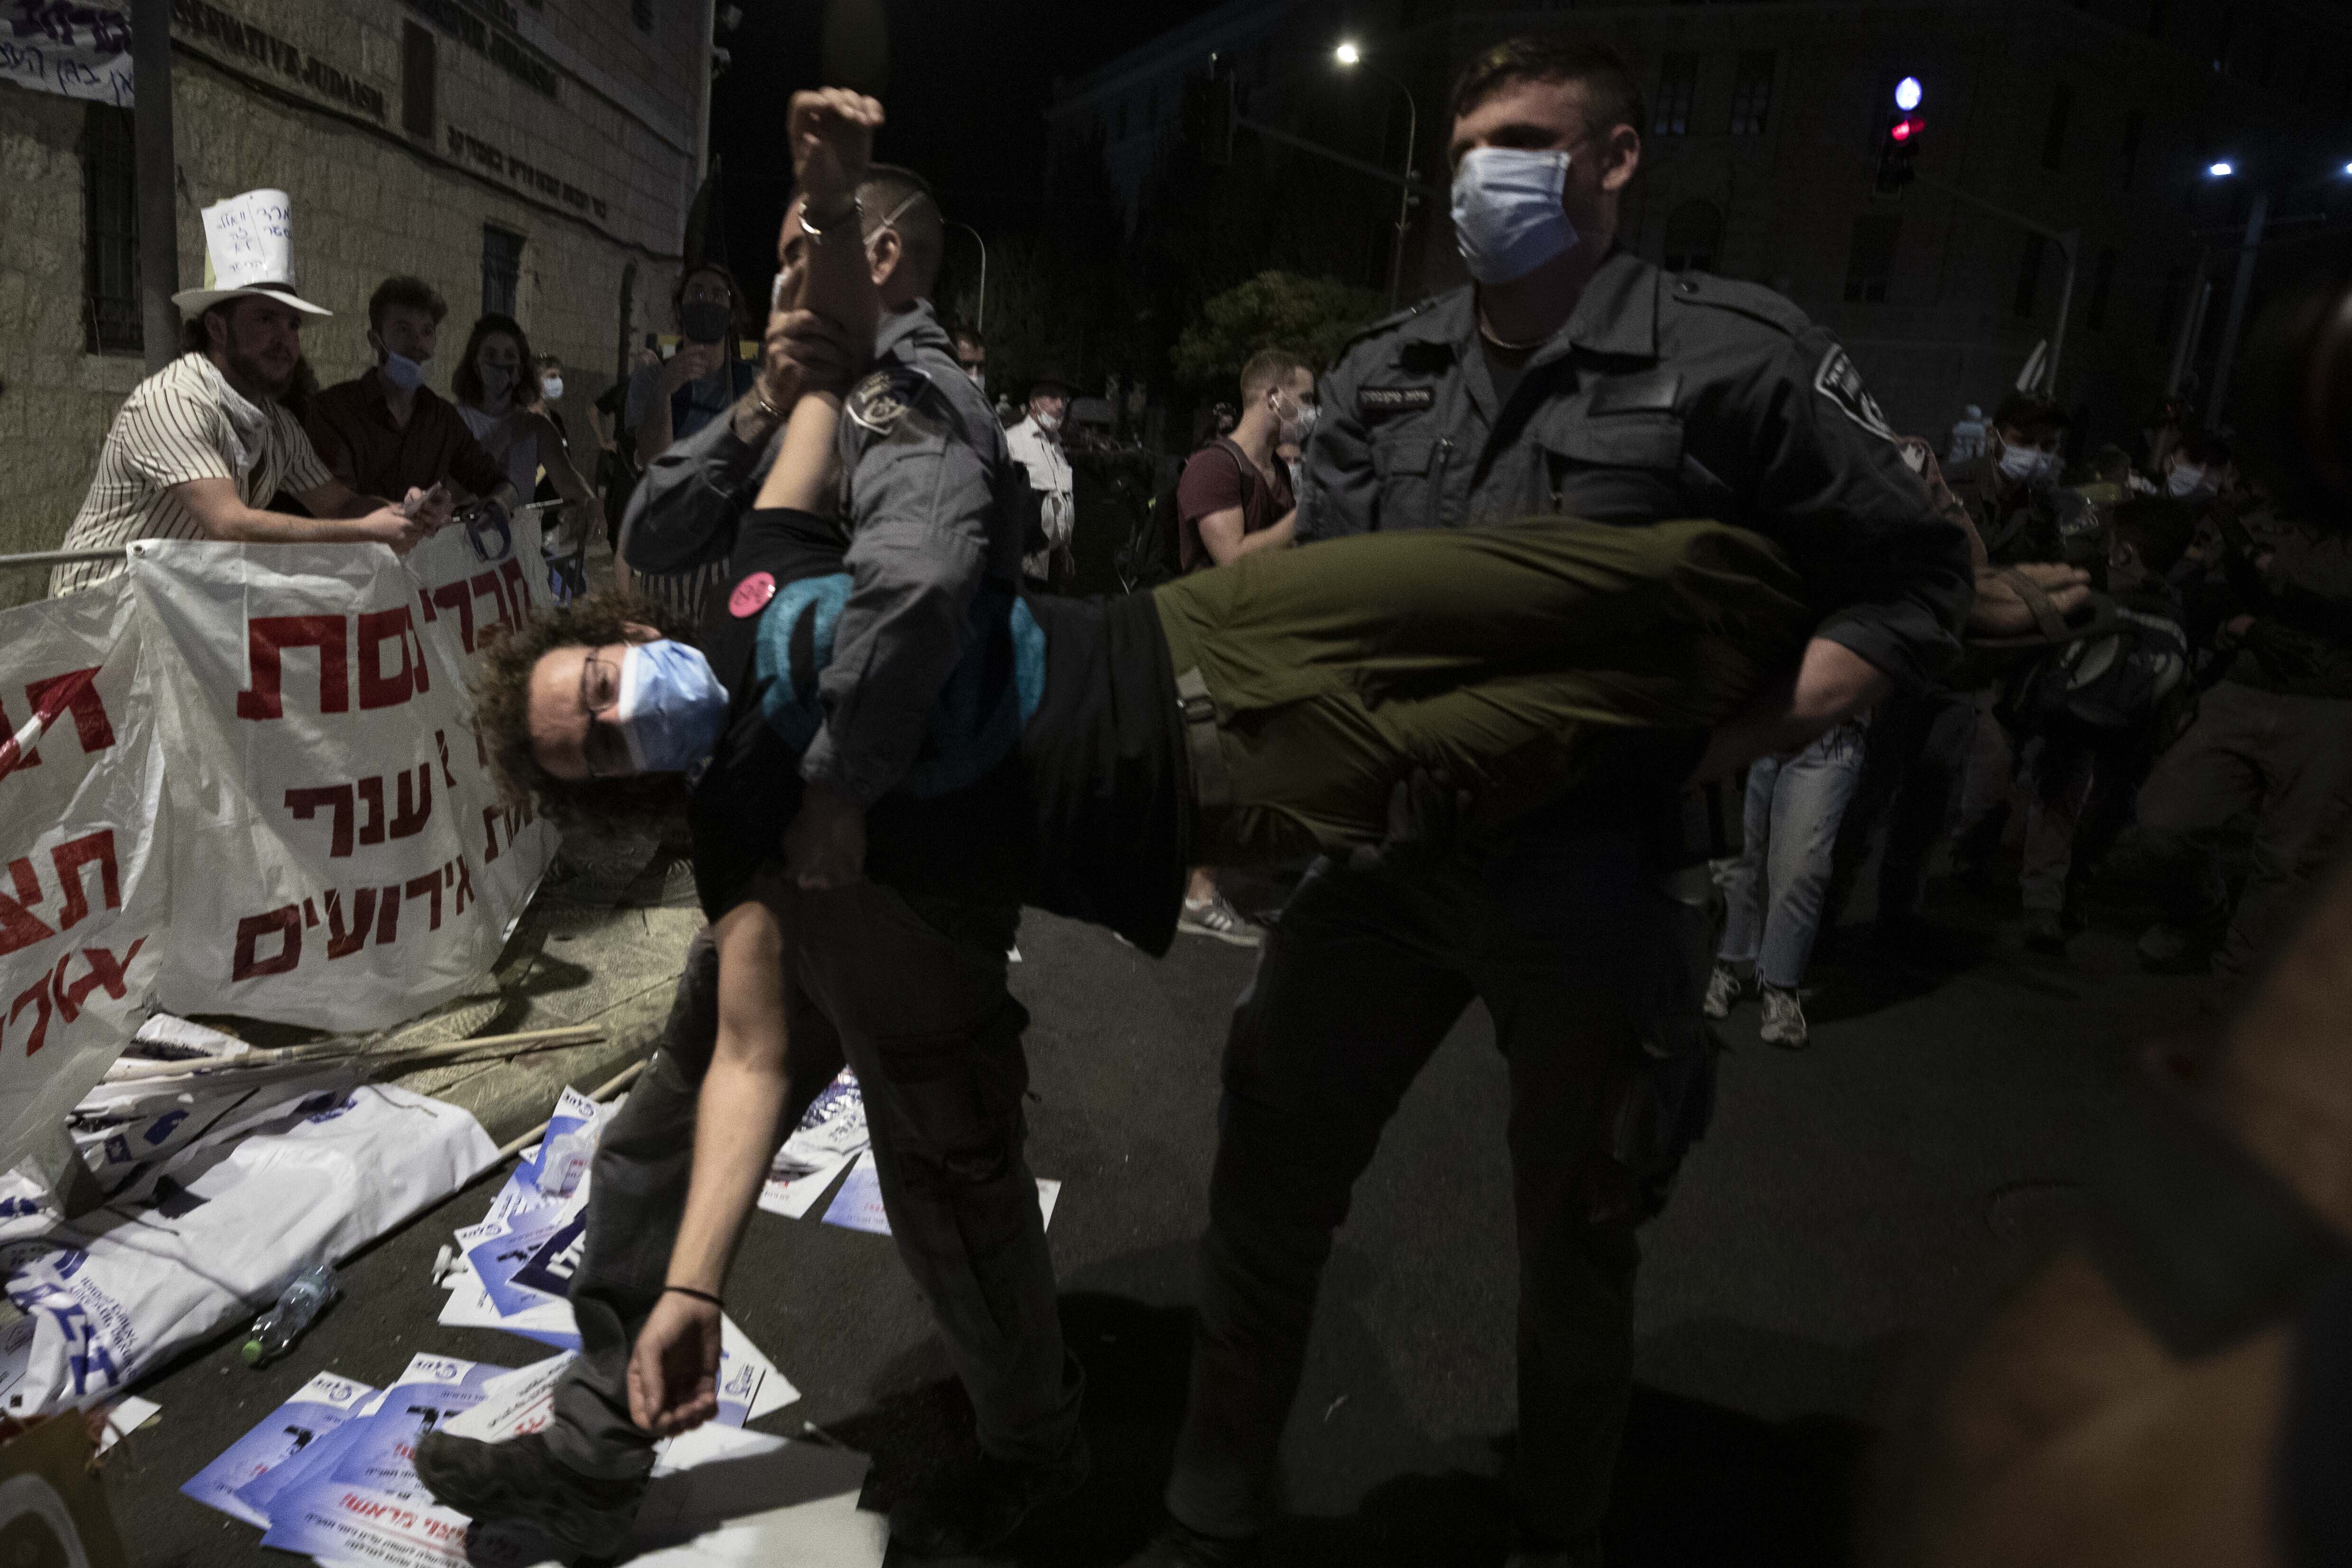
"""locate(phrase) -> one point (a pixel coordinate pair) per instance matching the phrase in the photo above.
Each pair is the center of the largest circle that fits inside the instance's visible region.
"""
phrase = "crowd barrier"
(246, 779)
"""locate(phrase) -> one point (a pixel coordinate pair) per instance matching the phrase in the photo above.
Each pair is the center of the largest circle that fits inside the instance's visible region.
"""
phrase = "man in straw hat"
(201, 449)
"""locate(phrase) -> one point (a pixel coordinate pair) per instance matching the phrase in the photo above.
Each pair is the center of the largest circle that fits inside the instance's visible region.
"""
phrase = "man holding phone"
(672, 400)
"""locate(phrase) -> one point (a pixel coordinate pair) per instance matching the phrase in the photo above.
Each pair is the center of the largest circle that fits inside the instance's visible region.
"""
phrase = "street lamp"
(2222, 169)
(1349, 57)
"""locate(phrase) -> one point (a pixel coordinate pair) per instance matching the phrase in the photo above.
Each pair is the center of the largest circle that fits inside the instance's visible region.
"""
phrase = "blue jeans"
(1774, 893)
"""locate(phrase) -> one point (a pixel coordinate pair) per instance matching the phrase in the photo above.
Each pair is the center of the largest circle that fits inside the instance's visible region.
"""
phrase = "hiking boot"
(1784, 1018)
(1181, 1546)
(2045, 931)
(1213, 916)
(1722, 992)
(518, 1480)
(975, 1505)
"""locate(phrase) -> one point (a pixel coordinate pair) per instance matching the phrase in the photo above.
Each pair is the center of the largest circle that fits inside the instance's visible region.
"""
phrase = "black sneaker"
(975, 1505)
(1177, 1546)
(520, 1479)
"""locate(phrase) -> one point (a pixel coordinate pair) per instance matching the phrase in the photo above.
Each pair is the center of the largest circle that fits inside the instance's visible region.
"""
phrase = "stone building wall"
(306, 96)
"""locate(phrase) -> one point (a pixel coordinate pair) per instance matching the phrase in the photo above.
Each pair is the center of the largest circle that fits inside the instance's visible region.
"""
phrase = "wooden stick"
(627, 1075)
(320, 1055)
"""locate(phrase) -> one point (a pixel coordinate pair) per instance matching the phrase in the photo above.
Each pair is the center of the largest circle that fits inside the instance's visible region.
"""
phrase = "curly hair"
(502, 712)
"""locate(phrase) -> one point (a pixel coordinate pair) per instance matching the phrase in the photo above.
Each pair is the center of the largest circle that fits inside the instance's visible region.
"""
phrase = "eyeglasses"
(600, 688)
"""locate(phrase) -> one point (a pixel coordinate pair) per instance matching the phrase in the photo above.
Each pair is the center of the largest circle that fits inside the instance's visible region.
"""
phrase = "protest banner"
(84, 838)
(244, 779)
(338, 838)
(67, 48)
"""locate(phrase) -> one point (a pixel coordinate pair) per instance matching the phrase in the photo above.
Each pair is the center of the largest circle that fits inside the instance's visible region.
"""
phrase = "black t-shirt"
(1105, 754)
(1087, 817)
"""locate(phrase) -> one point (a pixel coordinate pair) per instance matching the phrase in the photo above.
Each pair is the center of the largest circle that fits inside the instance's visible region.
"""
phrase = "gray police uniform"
(1661, 398)
(906, 988)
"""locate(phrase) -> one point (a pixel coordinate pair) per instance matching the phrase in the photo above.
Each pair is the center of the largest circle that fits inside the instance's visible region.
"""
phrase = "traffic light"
(1899, 147)
(1209, 110)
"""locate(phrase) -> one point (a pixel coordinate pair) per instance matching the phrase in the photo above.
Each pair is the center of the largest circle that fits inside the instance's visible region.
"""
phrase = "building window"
(1678, 85)
(109, 233)
(417, 111)
(1752, 92)
(641, 12)
(2134, 126)
(2102, 280)
(1694, 237)
(2029, 276)
(2054, 131)
(1870, 259)
(502, 269)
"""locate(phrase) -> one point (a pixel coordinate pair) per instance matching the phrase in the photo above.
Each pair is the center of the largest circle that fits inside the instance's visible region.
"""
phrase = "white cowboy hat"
(248, 249)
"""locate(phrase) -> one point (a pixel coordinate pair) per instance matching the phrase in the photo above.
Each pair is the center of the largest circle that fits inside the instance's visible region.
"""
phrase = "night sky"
(968, 89)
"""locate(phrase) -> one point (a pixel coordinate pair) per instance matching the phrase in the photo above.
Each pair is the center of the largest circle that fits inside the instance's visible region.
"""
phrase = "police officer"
(1571, 377)
(906, 979)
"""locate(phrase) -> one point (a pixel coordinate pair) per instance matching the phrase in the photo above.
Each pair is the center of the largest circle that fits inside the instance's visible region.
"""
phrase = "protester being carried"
(200, 447)
(493, 402)
(383, 430)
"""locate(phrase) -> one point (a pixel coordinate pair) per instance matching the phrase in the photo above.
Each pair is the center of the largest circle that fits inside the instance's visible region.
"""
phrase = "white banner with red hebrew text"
(244, 779)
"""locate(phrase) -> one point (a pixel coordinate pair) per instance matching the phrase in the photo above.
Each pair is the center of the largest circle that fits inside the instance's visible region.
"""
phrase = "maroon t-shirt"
(1219, 477)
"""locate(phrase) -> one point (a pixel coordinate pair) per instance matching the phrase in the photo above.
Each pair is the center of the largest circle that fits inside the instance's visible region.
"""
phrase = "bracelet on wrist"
(697, 1295)
(760, 396)
(816, 228)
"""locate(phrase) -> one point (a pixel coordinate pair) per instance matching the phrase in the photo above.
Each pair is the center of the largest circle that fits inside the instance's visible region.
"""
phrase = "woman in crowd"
(497, 405)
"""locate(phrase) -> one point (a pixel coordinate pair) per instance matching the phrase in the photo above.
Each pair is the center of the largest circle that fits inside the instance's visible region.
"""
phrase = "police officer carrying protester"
(1574, 377)
(902, 976)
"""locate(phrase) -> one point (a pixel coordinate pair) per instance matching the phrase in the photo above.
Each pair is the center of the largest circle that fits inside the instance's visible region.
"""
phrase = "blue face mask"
(402, 372)
(1508, 220)
(671, 707)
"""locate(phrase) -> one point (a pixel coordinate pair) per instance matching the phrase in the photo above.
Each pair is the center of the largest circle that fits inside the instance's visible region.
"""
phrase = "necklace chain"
(1505, 345)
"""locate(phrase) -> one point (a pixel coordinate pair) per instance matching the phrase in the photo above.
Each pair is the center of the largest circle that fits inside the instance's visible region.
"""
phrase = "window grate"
(1677, 87)
(419, 111)
(502, 269)
(110, 232)
(1752, 92)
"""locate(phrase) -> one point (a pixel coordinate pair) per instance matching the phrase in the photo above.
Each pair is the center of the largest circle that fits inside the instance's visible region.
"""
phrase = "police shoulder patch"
(882, 399)
(1841, 382)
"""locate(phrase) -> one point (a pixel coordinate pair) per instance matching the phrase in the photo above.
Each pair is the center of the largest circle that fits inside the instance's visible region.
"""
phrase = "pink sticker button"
(752, 595)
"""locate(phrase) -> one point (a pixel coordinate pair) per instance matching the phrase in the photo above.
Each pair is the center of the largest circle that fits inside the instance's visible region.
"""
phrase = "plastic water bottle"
(564, 1160)
(275, 1331)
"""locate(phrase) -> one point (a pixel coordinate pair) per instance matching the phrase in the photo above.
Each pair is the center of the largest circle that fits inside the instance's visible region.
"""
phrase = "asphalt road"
(1852, 1206)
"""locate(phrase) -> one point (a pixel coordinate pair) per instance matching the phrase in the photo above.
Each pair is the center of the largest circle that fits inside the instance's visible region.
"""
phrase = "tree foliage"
(1313, 317)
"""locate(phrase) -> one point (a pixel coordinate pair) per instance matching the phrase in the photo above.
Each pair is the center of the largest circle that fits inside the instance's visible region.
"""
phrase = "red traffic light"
(1902, 129)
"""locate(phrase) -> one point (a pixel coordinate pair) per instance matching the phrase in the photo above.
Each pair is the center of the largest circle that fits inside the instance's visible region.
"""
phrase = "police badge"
(1841, 382)
(882, 399)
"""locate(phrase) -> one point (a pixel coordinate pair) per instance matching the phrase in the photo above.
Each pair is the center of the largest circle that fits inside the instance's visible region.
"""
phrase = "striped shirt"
(173, 427)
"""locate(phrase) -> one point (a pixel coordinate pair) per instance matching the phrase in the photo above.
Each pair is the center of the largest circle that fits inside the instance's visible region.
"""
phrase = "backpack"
(2112, 680)
(1153, 552)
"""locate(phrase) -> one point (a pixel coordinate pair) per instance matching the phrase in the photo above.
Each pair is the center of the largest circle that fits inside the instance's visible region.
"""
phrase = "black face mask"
(703, 321)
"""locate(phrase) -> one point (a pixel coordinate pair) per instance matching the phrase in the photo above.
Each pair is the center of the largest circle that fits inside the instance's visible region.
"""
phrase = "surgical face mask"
(1508, 219)
(2019, 464)
(1049, 423)
(2184, 482)
(1299, 424)
(703, 321)
(671, 707)
(402, 372)
(551, 387)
